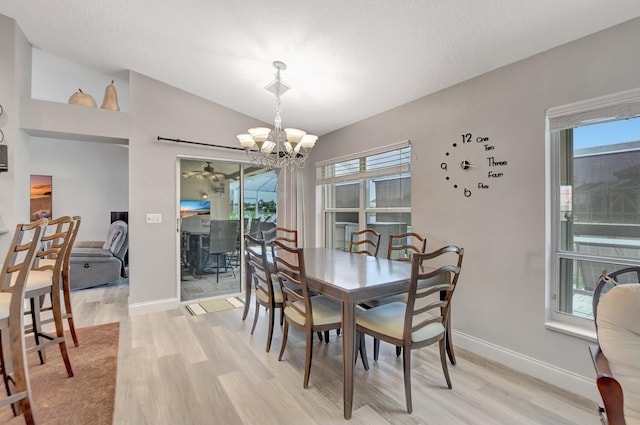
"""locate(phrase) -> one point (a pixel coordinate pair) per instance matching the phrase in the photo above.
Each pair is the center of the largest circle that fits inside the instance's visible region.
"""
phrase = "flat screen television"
(188, 208)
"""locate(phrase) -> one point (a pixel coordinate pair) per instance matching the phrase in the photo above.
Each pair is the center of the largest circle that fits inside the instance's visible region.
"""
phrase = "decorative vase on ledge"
(110, 98)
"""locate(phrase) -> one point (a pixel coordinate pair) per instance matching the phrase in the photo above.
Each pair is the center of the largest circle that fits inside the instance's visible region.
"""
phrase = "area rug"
(213, 306)
(86, 398)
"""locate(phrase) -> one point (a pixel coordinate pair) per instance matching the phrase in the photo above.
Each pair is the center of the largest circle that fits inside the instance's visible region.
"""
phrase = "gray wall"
(89, 180)
(162, 110)
(499, 310)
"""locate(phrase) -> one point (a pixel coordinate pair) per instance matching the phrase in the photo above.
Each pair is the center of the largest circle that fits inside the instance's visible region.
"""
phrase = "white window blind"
(394, 159)
(618, 106)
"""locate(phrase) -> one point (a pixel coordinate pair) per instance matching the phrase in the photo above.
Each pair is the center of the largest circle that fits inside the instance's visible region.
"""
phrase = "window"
(595, 199)
(368, 190)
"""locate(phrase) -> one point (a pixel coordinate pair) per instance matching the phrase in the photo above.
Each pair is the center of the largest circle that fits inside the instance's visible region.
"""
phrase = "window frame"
(613, 107)
(361, 178)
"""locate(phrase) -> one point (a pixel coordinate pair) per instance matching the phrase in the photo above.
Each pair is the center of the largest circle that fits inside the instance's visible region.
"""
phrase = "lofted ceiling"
(347, 59)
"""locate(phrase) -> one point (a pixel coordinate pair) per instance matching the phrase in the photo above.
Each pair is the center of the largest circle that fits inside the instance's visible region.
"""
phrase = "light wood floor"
(174, 368)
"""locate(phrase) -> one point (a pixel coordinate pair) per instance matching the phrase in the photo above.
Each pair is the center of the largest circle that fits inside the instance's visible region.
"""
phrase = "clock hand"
(465, 165)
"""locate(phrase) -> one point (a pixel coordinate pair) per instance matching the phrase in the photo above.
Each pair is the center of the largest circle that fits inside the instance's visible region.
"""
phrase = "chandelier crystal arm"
(277, 148)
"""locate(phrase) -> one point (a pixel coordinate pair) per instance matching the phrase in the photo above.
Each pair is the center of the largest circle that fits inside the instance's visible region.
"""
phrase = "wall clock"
(471, 164)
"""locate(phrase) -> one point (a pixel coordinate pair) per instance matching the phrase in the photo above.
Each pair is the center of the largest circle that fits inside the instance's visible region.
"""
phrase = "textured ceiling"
(347, 59)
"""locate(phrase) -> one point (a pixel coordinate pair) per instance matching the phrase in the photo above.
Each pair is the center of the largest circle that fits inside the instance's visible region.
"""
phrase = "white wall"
(499, 310)
(56, 79)
(89, 180)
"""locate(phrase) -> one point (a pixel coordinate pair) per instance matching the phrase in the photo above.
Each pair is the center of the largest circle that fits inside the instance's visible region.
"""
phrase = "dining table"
(350, 279)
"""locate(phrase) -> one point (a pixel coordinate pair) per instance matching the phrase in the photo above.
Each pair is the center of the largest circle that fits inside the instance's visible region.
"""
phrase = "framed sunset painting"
(41, 196)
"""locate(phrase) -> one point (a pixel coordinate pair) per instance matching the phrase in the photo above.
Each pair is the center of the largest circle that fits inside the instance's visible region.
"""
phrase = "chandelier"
(277, 148)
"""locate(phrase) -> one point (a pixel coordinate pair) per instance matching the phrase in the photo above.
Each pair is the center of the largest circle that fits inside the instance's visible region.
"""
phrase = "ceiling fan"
(207, 172)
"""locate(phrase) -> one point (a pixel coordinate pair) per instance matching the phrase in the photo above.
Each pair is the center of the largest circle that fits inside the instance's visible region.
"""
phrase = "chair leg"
(18, 361)
(326, 337)
(406, 365)
(66, 292)
(307, 359)
(57, 318)
(398, 350)
(376, 348)
(443, 360)
(362, 350)
(34, 303)
(452, 357)
(15, 408)
(255, 316)
(270, 330)
(285, 333)
(320, 336)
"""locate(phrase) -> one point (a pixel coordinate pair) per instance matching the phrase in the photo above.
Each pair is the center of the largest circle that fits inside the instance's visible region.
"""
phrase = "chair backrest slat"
(257, 260)
(365, 241)
(401, 247)
(289, 266)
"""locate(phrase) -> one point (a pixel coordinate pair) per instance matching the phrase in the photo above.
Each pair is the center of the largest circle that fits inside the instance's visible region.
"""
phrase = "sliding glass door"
(219, 201)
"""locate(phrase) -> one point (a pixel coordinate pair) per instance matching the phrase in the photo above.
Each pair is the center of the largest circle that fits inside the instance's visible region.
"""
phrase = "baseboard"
(153, 306)
(569, 381)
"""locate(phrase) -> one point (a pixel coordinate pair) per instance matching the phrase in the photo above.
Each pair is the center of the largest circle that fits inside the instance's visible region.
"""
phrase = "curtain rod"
(200, 143)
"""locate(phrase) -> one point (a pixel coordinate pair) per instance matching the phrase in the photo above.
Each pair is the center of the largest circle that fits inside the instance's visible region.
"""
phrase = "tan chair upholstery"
(419, 322)
(302, 311)
(617, 356)
(16, 268)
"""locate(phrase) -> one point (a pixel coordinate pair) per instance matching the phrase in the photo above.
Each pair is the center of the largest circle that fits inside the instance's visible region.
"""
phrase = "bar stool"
(45, 279)
(13, 278)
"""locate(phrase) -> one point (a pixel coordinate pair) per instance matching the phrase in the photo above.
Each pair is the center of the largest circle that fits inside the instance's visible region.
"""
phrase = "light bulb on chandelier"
(277, 148)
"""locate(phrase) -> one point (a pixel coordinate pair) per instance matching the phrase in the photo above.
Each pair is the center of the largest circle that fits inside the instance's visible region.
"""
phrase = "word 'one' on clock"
(471, 163)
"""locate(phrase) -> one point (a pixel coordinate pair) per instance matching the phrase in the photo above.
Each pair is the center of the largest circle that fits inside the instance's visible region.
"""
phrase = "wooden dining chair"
(66, 286)
(45, 280)
(399, 248)
(306, 313)
(457, 255)
(268, 294)
(365, 241)
(13, 277)
(419, 322)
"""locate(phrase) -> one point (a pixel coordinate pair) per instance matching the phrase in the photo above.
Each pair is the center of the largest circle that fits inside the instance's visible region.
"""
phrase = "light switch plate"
(154, 218)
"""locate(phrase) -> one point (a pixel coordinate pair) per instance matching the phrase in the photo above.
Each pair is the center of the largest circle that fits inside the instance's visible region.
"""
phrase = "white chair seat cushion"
(619, 339)
(388, 319)
(277, 294)
(37, 279)
(325, 311)
(5, 302)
